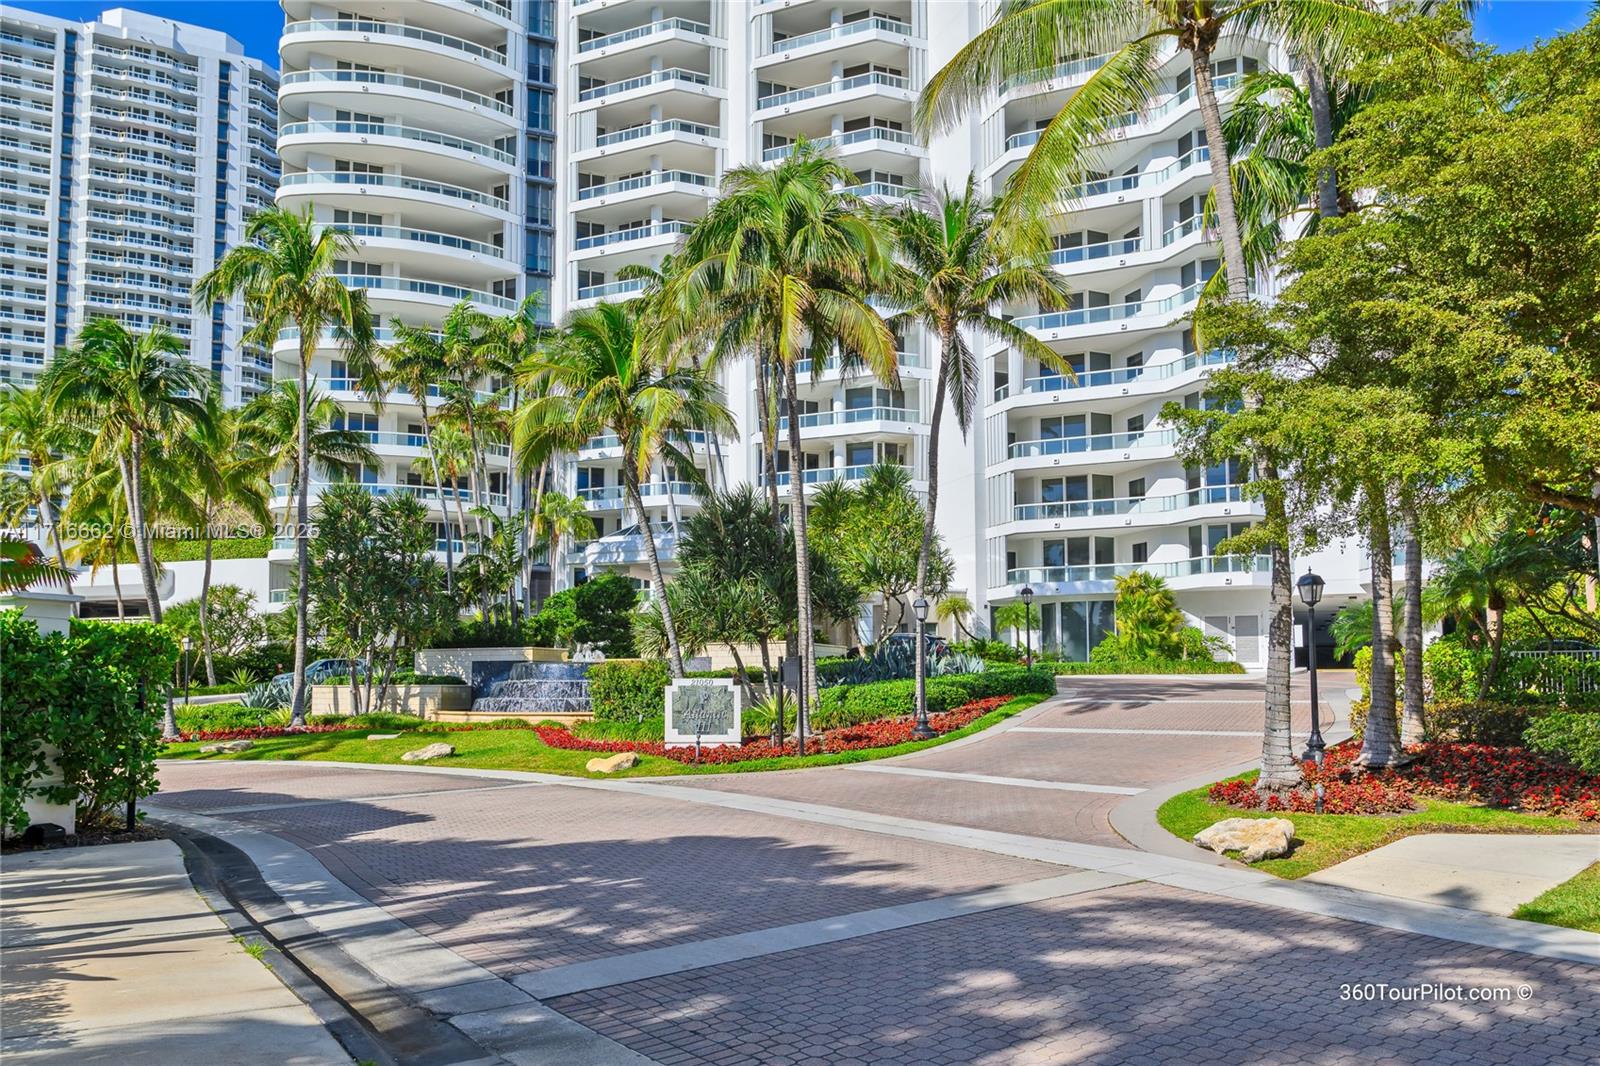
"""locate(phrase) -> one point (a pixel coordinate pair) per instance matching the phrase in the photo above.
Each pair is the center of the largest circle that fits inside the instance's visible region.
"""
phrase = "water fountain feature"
(538, 688)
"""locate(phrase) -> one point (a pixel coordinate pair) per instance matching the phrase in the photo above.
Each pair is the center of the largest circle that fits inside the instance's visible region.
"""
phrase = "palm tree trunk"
(205, 610)
(1380, 746)
(1205, 95)
(1413, 723)
(630, 479)
(1280, 769)
(1496, 618)
(929, 520)
(802, 554)
(133, 487)
(769, 443)
(438, 485)
(116, 585)
(530, 535)
(302, 497)
(47, 517)
(1322, 131)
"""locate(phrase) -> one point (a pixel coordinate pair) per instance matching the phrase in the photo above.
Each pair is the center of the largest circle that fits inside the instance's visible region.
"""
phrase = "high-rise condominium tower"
(132, 149)
(1063, 484)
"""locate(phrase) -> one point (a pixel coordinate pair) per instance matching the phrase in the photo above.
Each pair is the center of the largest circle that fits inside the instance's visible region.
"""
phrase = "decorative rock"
(623, 760)
(227, 746)
(432, 751)
(382, 736)
(1254, 838)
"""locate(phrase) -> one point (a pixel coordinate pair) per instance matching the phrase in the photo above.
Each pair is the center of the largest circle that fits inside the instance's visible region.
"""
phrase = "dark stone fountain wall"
(531, 688)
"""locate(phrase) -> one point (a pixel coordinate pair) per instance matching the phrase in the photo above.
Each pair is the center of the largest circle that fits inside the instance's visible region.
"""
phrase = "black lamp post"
(1027, 621)
(188, 669)
(1310, 588)
(922, 730)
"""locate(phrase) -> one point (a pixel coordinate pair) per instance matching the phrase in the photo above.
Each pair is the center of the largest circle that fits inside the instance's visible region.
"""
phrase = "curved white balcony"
(894, 145)
(839, 32)
(1205, 572)
(408, 246)
(610, 290)
(435, 102)
(1053, 78)
(856, 420)
(1161, 312)
(1090, 449)
(394, 136)
(1127, 513)
(672, 77)
(656, 129)
(872, 82)
(305, 33)
(821, 475)
(344, 189)
(611, 497)
(616, 240)
(432, 292)
(447, 496)
(1121, 381)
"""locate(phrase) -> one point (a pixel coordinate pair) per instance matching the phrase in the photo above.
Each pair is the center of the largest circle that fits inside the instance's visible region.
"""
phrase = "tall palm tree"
(561, 517)
(602, 379)
(1031, 37)
(415, 363)
(511, 340)
(959, 268)
(285, 269)
(27, 431)
(469, 357)
(452, 457)
(137, 394)
(787, 265)
(270, 427)
(232, 477)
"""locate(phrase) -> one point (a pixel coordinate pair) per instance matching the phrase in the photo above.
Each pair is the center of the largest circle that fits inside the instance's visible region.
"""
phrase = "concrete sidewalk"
(109, 955)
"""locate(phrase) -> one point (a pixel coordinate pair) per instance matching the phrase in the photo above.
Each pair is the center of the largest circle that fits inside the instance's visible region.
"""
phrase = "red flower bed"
(266, 732)
(1507, 778)
(884, 733)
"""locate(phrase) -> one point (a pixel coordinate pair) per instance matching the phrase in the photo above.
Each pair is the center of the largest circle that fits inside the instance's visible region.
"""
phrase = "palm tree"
(136, 394)
(415, 363)
(602, 379)
(469, 357)
(233, 477)
(958, 269)
(511, 340)
(788, 264)
(558, 518)
(286, 273)
(270, 427)
(451, 455)
(1030, 37)
(27, 431)
(22, 565)
(956, 609)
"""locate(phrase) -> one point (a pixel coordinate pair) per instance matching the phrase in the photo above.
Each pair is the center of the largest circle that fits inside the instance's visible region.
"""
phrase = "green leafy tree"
(285, 270)
(603, 605)
(232, 620)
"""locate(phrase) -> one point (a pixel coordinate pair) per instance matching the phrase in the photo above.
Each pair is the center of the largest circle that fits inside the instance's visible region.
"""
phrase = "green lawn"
(1574, 904)
(521, 749)
(1324, 839)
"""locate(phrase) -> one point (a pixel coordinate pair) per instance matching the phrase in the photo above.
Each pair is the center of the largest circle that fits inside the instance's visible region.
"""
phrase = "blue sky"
(1507, 24)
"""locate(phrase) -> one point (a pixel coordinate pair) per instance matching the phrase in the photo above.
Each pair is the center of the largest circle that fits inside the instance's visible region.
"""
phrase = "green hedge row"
(628, 690)
(1145, 666)
(185, 550)
(853, 704)
(1572, 736)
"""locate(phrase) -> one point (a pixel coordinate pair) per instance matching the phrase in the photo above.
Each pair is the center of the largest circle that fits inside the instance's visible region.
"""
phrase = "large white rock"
(623, 760)
(227, 746)
(1254, 838)
(432, 751)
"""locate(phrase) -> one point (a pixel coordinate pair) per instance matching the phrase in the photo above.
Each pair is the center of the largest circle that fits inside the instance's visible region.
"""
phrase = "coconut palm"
(784, 266)
(232, 477)
(559, 518)
(602, 380)
(29, 432)
(511, 340)
(285, 269)
(959, 269)
(1030, 37)
(415, 363)
(23, 565)
(137, 395)
(452, 455)
(270, 427)
(469, 357)
(955, 609)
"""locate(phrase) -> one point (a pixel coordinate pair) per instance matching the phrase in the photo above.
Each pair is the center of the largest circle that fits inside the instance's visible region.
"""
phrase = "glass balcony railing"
(885, 134)
(650, 129)
(1090, 379)
(1098, 442)
(828, 88)
(655, 77)
(611, 288)
(645, 181)
(1128, 505)
(1111, 312)
(1210, 564)
(1074, 68)
(633, 233)
(392, 129)
(393, 181)
(851, 416)
(1085, 252)
(647, 30)
(394, 29)
(838, 32)
(395, 81)
(425, 288)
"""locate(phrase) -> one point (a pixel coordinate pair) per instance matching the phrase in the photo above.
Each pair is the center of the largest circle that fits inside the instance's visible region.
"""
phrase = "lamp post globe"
(1310, 588)
(922, 730)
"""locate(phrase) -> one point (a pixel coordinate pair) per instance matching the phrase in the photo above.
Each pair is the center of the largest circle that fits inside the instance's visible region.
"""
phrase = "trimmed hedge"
(172, 550)
(1480, 722)
(854, 704)
(628, 690)
(1146, 666)
(1572, 736)
(205, 718)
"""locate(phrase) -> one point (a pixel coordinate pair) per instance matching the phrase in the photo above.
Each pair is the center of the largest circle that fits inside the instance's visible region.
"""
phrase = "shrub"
(270, 694)
(847, 705)
(553, 626)
(1572, 736)
(1479, 722)
(604, 606)
(174, 549)
(1146, 666)
(1567, 680)
(649, 729)
(79, 694)
(628, 690)
(205, 718)
(1450, 670)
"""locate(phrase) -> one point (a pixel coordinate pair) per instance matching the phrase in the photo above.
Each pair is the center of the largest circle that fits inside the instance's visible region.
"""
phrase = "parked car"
(322, 669)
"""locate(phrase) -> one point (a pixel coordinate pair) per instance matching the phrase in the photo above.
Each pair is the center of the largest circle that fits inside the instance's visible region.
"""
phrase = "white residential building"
(1062, 484)
(132, 149)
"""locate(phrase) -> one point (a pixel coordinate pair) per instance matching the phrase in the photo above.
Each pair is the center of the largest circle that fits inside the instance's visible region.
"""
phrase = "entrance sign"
(703, 710)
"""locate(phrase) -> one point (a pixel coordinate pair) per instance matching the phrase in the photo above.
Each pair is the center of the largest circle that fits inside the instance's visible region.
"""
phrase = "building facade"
(1064, 482)
(132, 150)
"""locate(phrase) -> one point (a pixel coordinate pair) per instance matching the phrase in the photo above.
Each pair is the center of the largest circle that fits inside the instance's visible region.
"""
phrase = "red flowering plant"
(1507, 778)
(267, 732)
(883, 733)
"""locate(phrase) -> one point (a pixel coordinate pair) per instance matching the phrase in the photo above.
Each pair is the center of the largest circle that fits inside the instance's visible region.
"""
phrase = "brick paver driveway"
(1017, 961)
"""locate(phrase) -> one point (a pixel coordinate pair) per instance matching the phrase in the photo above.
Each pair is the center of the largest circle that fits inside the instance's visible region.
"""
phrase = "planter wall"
(425, 701)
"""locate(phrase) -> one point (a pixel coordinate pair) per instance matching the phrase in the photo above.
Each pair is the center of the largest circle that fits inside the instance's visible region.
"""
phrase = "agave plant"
(243, 678)
(956, 662)
(270, 695)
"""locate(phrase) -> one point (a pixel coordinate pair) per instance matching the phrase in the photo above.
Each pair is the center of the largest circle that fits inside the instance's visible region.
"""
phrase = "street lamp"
(188, 669)
(1027, 620)
(922, 730)
(1310, 588)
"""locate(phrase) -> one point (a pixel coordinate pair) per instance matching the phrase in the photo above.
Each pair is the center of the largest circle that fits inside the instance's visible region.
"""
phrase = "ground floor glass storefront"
(1070, 629)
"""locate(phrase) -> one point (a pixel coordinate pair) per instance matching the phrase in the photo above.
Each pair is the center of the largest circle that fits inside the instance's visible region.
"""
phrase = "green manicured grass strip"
(521, 749)
(1574, 904)
(1321, 840)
